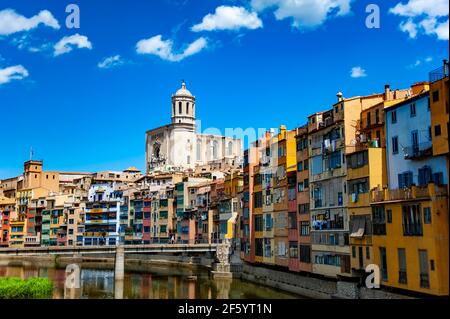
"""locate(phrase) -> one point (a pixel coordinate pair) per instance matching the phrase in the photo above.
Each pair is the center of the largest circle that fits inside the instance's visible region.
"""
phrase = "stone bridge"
(221, 251)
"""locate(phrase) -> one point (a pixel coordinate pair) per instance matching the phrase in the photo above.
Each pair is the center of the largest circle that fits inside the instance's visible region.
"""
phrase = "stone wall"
(310, 287)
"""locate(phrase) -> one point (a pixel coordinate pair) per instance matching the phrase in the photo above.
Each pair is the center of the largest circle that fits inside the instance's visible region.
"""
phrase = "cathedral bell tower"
(183, 106)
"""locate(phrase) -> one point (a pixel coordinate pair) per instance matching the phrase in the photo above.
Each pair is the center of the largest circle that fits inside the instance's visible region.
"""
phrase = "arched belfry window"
(173, 106)
(179, 108)
(187, 108)
(230, 148)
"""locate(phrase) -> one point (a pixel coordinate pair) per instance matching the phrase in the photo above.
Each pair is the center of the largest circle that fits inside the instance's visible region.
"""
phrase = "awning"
(359, 224)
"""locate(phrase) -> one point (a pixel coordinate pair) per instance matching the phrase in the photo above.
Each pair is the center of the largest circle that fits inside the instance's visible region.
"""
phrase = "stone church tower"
(178, 146)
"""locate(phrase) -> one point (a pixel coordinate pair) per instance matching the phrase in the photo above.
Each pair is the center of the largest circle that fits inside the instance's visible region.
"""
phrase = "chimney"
(387, 92)
(339, 96)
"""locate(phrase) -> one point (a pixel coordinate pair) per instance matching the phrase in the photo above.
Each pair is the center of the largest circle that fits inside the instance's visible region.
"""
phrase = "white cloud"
(164, 48)
(304, 13)
(229, 18)
(66, 44)
(420, 62)
(111, 62)
(12, 22)
(16, 72)
(358, 72)
(410, 27)
(424, 16)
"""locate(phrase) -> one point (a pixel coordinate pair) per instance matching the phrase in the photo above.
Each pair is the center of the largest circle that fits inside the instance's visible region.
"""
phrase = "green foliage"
(32, 288)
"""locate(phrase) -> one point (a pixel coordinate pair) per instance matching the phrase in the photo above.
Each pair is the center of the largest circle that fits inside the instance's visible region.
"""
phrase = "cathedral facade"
(178, 146)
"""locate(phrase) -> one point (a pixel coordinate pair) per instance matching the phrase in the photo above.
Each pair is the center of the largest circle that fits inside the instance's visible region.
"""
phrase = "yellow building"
(366, 170)
(410, 215)
(410, 242)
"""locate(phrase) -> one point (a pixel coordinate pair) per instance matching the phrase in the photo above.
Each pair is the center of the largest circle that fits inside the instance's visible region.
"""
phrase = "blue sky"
(260, 64)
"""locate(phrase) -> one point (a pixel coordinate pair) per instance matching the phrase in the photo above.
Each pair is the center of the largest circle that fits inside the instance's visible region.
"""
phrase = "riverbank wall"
(319, 288)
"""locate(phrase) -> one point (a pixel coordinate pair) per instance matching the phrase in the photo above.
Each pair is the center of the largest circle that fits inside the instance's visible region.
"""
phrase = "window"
(293, 249)
(435, 96)
(180, 108)
(367, 252)
(304, 228)
(402, 276)
(395, 145)
(305, 164)
(300, 187)
(425, 176)
(357, 160)
(259, 223)
(368, 119)
(146, 229)
(306, 183)
(405, 180)
(281, 251)
(438, 178)
(71, 231)
(412, 220)
(305, 254)
(412, 109)
(437, 130)
(427, 215)
(379, 221)
(300, 166)
(423, 265)
(258, 200)
(389, 216)
(377, 116)
(394, 117)
(187, 108)
(334, 160)
(353, 252)
(303, 208)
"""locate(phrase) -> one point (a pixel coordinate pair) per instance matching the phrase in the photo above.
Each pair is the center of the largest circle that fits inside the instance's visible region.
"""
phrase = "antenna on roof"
(31, 153)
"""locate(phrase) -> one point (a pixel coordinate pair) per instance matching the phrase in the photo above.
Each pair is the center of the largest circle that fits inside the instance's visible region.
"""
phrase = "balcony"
(414, 192)
(418, 151)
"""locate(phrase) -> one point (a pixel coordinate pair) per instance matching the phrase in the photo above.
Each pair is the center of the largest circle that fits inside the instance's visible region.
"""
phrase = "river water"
(161, 283)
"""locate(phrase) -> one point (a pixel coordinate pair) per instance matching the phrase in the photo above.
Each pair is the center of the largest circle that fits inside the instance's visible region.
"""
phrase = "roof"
(408, 100)
(183, 91)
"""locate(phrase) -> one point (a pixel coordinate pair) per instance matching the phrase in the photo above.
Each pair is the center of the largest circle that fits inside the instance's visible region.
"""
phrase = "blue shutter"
(400, 181)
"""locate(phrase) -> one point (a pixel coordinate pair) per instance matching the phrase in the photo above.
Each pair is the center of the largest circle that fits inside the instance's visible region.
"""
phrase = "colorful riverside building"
(410, 215)
(366, 170)
(102, 215)
(247, 229)
(299, 232)
(262, 202)
(7, 208)
(284, 156)
(331, 134)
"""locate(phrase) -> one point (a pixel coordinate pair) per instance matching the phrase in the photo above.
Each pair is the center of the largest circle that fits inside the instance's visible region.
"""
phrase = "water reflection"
(161, 283)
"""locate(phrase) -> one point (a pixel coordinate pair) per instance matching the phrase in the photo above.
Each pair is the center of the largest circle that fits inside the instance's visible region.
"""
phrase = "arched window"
(187, 108)
(179, 108)
(173, 105)
(199, 150)
(214, 150)
(230, 148)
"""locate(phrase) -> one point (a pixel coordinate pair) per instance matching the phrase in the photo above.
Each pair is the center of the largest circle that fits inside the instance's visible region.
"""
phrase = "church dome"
(183, 91)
